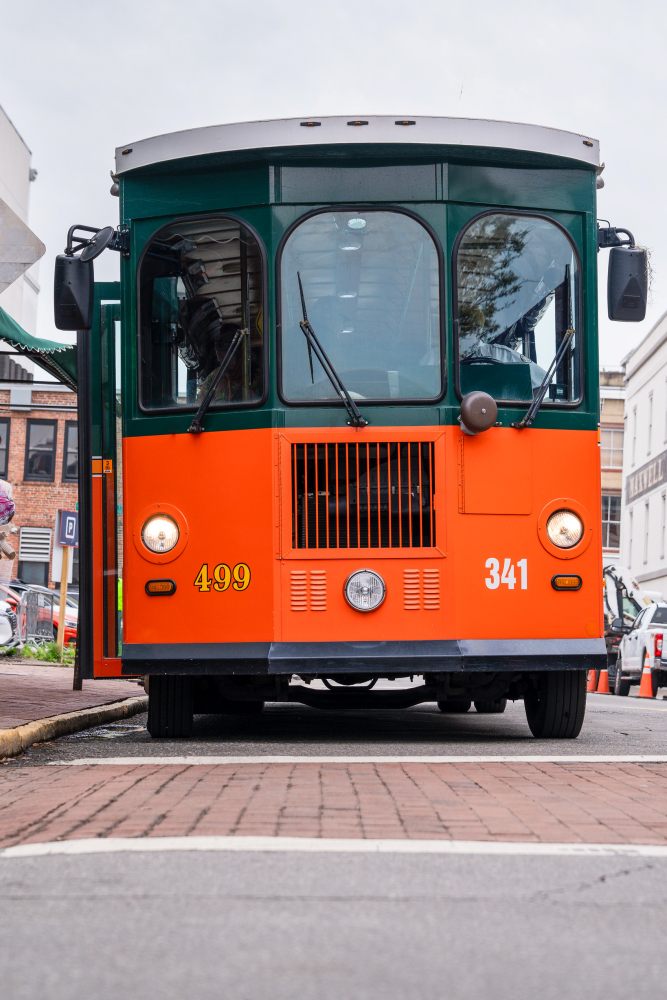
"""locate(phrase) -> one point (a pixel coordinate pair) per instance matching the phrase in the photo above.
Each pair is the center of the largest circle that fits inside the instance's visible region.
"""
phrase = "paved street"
(420, 855)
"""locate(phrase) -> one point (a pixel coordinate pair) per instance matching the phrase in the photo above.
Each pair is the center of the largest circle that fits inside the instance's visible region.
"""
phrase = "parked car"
(9, 636)
(645, 636)
(12, 593)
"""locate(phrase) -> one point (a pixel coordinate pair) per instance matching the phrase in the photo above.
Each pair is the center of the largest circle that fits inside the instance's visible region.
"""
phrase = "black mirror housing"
(73, 282)
(627, 284)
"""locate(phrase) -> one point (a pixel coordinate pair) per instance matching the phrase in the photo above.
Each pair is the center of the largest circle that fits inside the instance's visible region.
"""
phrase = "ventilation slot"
(376, 495)
(308, 590)
(421, 590)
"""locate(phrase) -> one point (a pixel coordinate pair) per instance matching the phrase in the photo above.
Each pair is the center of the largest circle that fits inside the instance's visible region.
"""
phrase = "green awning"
(57, 359)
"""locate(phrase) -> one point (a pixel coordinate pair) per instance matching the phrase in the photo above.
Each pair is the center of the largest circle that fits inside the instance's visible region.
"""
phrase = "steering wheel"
(477, 360)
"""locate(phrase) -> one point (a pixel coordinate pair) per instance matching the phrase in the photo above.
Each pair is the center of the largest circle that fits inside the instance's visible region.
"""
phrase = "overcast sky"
(80, 77)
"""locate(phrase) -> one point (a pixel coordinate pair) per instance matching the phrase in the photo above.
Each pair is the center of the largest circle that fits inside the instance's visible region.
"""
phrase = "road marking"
(113, 845)
(197, 760)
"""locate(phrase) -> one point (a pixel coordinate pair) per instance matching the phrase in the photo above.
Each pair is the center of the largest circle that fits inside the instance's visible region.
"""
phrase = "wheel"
(655, 684)
(556, 708)
(621, 687)
(170, 710)
(491, 706)
(456, 706)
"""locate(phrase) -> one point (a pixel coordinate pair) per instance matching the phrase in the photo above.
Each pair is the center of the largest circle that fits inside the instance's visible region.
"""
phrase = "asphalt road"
(612, 726)
(326, 927)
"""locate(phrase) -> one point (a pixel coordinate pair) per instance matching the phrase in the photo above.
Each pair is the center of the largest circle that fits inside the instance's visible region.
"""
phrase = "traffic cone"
(603, 683)
(646, 685)
(592, 681)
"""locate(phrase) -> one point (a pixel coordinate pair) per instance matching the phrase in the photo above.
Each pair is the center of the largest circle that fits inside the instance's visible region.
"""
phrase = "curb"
(15, 741)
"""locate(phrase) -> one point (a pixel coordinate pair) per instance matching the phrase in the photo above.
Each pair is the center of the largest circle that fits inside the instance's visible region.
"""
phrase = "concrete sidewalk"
(37, 703)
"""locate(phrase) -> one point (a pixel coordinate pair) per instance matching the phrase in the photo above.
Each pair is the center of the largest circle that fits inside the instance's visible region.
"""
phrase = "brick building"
(38, 456)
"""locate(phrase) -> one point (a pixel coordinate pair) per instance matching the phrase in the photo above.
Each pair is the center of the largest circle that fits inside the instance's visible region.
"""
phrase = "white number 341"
(508, 576)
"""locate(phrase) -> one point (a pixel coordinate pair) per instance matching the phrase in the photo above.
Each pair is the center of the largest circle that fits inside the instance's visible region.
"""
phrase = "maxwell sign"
(650, 476)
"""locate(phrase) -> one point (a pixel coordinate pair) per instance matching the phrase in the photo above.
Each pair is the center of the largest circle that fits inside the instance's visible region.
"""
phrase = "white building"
(16, 174)
(644, 515)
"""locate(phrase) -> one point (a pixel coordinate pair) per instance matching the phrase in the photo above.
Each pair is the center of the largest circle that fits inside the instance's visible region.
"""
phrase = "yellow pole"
(64, 573)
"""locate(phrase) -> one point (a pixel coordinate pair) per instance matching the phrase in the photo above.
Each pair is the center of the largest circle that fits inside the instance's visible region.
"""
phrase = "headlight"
(364, 590)
(565, 529)
(160, 533)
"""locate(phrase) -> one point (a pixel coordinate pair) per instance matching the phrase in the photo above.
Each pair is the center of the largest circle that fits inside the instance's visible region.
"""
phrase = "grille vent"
(376, 495)
(308, 590)
(421, 589)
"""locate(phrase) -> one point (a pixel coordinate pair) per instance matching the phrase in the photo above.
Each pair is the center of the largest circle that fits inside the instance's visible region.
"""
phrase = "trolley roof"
(344, 130)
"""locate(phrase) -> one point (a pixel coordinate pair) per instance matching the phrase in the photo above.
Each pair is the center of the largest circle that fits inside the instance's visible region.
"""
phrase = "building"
(16, 176)
(38, 430)
(38, 456)
(644, 514)
(612, 405)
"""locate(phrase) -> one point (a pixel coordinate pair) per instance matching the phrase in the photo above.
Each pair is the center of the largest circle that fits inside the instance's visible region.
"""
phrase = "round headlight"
(160, 533)
(364, 590)
(565, 529)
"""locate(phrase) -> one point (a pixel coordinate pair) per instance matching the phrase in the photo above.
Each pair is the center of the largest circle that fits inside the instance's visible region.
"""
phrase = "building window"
(34, 555)
(611, 521)
(634, 434)
(650, 423)
(612, 447)
(4, 447)
(646, 525)
(40, 451)
(71, 452)
(630, 539)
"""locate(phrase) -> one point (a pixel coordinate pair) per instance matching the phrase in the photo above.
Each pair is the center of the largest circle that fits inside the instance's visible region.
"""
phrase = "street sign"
(68, 528)
(19, 247)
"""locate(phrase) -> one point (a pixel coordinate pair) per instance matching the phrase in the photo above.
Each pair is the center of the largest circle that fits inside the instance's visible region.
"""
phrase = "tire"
(170, 711)
(556, 708)
(655, 683)
(491, 706)
(621, 687)
(454, 706)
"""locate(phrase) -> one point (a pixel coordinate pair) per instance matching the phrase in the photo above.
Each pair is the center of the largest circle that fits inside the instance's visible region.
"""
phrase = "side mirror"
(627, 284)
(73, 293)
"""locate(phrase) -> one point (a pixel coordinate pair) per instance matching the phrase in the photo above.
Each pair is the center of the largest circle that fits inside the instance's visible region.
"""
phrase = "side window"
(517, 284)
(40, 451)
(200, 304)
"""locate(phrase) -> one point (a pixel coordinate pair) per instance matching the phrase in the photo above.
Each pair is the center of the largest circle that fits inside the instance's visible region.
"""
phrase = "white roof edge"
(286, 132)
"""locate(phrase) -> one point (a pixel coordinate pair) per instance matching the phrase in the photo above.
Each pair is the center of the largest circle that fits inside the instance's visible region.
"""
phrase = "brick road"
(588, 803)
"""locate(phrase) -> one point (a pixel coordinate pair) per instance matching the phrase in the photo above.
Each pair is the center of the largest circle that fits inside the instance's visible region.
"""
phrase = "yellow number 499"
(223, 576)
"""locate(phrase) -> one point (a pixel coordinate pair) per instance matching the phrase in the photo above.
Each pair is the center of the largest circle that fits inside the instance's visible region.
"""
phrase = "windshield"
(200, 283)
(372, 291)
(517, 281)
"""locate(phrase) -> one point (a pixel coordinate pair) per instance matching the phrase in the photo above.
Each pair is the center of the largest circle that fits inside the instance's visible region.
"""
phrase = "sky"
(80, 78)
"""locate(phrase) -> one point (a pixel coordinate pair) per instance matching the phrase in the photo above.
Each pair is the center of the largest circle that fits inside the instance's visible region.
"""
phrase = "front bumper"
(382, 658)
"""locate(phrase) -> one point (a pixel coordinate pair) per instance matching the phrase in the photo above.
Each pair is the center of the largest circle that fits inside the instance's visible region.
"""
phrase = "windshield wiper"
(538, 399)
(196, 427)
(356, 417)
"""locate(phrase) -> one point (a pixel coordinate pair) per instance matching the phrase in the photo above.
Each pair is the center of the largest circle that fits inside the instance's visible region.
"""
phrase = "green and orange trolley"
(339, 418)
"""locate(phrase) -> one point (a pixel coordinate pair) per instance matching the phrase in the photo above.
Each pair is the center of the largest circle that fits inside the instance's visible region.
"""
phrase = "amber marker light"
(569, 582)
(160, 588)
